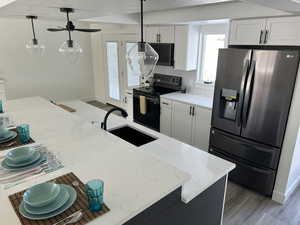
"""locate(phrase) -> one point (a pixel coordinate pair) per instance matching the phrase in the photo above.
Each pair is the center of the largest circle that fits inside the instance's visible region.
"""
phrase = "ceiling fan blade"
(56, 29)
(88, 30)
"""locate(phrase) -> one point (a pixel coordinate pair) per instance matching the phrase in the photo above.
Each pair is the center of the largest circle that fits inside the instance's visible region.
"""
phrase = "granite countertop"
(193, 99)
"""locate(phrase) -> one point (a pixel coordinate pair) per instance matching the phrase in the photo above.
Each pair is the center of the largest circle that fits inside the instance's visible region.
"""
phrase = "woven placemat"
(16, 142)
(80, 203)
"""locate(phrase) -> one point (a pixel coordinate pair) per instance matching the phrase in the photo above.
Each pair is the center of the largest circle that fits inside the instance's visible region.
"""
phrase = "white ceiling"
(48, 9)
(286, 5)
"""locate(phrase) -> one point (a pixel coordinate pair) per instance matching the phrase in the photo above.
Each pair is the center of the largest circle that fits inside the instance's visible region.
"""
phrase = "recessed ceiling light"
(297, 1)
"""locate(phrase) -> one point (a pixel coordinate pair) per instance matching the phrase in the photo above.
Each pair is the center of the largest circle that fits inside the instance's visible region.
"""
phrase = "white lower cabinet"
(128, 102)
(201, 128)
(182, 121)
(166, 117)
(185, 122)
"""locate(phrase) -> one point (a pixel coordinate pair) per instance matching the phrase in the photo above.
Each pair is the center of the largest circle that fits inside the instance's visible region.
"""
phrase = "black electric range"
(161, 84)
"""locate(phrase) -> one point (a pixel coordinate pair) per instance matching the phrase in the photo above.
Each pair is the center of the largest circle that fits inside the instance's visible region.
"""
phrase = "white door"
(283, 31)
(167, 34)
(247, 32)
(113, 72)
(182, 121)
(201, 128)
(118, 77)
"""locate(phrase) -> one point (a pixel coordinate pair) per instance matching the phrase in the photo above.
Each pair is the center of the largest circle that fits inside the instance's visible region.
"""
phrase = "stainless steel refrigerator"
(253, 93)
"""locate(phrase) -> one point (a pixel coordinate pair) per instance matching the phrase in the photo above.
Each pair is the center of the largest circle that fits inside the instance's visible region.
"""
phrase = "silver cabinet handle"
(164, 103)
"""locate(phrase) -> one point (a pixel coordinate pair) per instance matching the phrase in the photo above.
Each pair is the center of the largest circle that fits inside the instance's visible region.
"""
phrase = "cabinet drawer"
(258, 154)
(258, 179)
(165, 103)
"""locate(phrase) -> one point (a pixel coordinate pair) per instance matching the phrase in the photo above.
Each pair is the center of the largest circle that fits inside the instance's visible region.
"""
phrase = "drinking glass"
(1, 107)
(23, 131)
(94, 192)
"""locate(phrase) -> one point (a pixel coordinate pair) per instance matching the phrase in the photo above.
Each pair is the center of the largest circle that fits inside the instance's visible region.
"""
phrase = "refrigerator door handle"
(244, 79)
(248, 93)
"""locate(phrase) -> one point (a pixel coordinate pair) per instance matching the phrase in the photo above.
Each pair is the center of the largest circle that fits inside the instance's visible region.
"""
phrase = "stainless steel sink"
(132, 135)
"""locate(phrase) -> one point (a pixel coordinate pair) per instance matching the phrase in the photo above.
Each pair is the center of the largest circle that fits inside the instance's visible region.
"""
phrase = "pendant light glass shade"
(71, 50)
(34, 48)
(142, 59)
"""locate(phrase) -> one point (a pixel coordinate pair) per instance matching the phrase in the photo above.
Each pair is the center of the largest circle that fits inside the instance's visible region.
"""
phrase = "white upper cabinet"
(166, 34)
(186, 47)
(152, 33)
(247, 32)
(160, 34)
(269, 31)
(283, 31)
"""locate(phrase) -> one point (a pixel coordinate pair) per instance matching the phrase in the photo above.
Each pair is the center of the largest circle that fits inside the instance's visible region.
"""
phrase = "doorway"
(119, 77)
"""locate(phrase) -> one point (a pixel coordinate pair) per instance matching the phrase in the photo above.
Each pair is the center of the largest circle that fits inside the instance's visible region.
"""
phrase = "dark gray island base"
(205, 209)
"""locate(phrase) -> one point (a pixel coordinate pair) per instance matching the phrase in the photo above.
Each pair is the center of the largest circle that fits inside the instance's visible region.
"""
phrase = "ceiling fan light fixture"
(71, 50)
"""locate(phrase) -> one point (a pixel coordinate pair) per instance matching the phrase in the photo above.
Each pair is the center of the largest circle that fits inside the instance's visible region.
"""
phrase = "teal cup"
(1, 107)
(24, 134)
(94, 191)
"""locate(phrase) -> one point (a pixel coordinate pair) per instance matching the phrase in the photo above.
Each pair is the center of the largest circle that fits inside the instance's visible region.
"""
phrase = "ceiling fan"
(70, 26)
(70, 48)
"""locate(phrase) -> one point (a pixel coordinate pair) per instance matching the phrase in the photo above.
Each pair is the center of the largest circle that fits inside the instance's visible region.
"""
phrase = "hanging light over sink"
(142, 58)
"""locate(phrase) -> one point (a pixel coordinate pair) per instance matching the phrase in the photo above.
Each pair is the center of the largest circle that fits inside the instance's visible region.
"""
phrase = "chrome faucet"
(104, 123)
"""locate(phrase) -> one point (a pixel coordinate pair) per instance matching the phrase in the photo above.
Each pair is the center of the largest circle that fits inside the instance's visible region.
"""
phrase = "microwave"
(165, 52)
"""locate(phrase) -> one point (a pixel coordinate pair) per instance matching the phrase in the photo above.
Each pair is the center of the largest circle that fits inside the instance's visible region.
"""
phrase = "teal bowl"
(21, 154)
(41, 194)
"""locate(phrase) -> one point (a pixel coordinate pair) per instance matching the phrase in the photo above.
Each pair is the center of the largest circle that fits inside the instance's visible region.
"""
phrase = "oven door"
(151, 118)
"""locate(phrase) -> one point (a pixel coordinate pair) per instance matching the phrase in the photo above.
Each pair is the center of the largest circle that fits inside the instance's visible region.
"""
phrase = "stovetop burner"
(162, 84)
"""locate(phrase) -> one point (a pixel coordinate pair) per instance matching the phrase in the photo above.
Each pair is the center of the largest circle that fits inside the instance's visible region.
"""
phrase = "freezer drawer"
(258, 154)
(258, 179)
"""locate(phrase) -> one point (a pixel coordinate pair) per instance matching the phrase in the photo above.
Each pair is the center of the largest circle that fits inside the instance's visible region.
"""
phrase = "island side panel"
(205, 209)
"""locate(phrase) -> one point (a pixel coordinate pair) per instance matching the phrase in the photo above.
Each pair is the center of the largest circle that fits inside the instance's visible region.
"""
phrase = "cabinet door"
(129, 105)
(247, 32)
(166, 120)
(201, 128)
(152, 34)
(182, 122)
(283, 31)
(167, 34)
(186, 47)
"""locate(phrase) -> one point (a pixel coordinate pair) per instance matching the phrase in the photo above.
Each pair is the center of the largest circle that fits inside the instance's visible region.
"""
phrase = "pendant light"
(33, 45)
(142, 58)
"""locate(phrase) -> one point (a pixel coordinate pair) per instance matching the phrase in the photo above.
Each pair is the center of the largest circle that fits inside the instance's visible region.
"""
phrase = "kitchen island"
(162, 182)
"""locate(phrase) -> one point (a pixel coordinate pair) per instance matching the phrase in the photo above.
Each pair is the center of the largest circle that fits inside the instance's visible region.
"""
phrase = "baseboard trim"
(283, 197)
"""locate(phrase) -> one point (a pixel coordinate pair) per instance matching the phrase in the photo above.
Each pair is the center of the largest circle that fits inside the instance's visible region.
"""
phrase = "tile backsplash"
(189, 79)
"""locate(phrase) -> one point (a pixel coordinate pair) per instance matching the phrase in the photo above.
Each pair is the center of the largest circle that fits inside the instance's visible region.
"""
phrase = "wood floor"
(244, 207)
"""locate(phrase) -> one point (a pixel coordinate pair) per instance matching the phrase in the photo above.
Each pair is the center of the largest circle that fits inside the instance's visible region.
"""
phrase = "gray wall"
(50, 76)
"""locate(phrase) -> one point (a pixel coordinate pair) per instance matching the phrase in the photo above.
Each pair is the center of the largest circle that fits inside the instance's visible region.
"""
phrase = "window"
(209, 49)
(132, 79)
